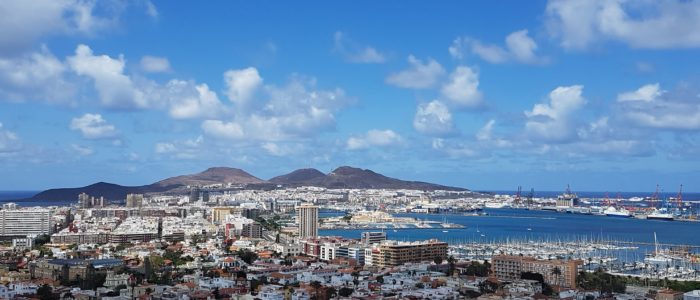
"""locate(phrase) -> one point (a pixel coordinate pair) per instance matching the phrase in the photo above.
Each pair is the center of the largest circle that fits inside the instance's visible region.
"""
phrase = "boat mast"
(656, 245)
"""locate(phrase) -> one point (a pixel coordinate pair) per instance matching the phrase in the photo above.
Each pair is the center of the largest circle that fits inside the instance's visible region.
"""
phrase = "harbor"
(377, 220)
(621, 246)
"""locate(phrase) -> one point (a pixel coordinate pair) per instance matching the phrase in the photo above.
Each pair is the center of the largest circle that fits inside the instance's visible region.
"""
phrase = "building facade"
(392, 253)
(307, 217)
(23, 222)
(134, 200)
(510, 267)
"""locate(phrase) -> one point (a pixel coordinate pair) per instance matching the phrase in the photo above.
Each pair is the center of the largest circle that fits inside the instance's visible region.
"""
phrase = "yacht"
(659, 258)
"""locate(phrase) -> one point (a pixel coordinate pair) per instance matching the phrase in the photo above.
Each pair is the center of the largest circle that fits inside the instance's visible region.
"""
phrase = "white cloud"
(462, 88)
(165, 148)
(434, 119)
(24, 22)
(652, 107)
(82, 150)
(552, 121)
(486, 138)
(463, 45)
(115, 89)
(519, 47)
(220, 129)
(190, 101)
(354, 53)
(35, 76)
(454, 150)
(151, 9)
(647, 93)
(419, 76)
(242, 84)
(187, 149)
(93, 126)
(295, 110)
(485, 133)
(154, 64)
(522, 47)
(273, 149)
(639, 24)
(282, 149)
(374, 138)
(9, 142)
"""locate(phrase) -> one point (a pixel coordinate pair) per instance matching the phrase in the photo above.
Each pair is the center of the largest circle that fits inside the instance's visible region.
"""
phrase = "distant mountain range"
(341, 178)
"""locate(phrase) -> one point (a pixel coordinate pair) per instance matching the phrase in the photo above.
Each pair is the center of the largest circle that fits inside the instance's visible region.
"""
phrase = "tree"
(41, 239)
(331, 292)
(547, 289)
(345, 292)
(380, 279)
(557, 273)
(488, 287)
(451, 261)
(197, 238)
(45, 292)
(316, 285)
(241, 274)
(438, 260)
(247, 256)
(532, 276)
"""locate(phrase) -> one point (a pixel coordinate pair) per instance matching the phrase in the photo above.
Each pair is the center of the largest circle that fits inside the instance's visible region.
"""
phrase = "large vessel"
(495, 205)
(660, 214)
(568, 199)
(615, 212)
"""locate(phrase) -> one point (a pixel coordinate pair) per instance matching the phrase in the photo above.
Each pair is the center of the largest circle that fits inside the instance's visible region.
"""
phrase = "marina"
(623, 246)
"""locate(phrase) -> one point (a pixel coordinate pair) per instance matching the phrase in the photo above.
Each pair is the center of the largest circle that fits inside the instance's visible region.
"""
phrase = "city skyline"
(464, 94)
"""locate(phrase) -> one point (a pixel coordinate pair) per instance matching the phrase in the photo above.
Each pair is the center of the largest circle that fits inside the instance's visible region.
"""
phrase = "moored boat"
(619, 213)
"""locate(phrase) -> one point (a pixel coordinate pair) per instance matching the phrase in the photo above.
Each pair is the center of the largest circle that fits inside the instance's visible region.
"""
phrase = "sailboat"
(658, 258)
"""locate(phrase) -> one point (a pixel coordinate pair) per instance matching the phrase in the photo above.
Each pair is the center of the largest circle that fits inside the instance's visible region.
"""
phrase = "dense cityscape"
(239, 243)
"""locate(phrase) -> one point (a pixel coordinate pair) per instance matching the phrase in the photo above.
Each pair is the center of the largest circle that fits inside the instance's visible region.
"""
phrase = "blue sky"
(602, 95)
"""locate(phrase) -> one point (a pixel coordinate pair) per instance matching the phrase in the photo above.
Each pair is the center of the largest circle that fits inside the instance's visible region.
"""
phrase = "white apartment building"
(23, 222)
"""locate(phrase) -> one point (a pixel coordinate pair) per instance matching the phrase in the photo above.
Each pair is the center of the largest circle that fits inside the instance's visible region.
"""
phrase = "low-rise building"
(555, 272)
(394, 253)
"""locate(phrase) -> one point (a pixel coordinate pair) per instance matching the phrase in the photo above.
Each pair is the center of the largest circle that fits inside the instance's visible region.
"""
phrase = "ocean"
(513, 224)
(12, 196)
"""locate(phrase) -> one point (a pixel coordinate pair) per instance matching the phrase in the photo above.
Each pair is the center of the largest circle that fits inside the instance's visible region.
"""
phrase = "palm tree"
(557, 272)
(451, 261)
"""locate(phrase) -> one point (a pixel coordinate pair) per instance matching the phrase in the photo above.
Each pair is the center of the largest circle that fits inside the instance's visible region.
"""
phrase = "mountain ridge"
(344, 177)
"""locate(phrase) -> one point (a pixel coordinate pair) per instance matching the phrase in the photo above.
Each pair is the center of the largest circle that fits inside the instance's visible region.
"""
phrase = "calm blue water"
(502, 224)
(11, 196)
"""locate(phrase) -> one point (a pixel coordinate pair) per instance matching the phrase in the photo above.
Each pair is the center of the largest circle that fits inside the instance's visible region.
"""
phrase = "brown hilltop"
(341, 178)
